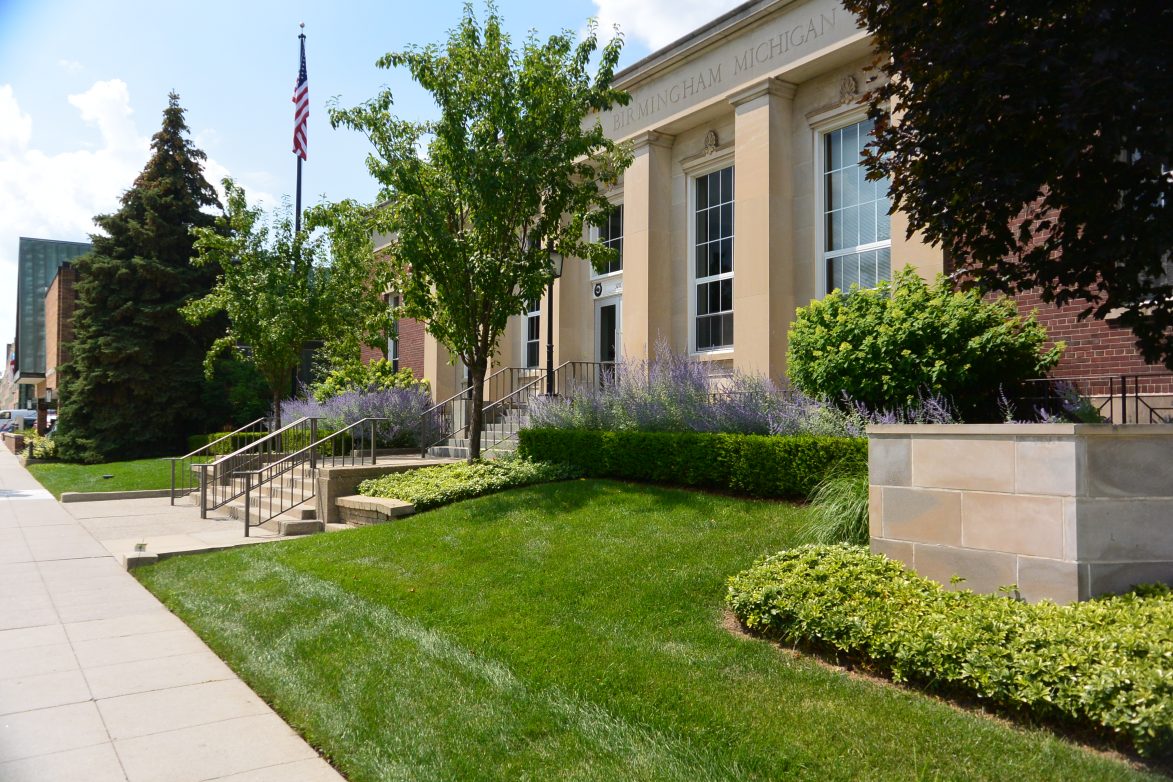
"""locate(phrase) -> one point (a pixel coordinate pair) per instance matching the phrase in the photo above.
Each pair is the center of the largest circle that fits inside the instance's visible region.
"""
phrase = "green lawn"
(58, 477)
(569, 631)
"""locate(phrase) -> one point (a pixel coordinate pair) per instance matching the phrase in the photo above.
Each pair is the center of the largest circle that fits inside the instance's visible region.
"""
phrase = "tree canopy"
(281, 289)
(1034, 140)
(510, 171)
(133, 384)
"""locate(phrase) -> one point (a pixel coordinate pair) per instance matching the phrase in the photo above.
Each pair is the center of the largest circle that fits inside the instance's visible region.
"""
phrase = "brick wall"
(60, 302)
(411, 347)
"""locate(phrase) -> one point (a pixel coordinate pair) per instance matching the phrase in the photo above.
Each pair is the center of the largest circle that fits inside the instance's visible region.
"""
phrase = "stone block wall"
(1064, 511)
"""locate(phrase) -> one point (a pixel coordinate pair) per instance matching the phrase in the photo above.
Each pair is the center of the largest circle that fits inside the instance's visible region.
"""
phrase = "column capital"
(767, 86)
(651, 138)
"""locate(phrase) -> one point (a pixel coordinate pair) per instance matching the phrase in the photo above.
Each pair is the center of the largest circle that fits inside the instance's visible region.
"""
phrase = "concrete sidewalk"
(99, 681)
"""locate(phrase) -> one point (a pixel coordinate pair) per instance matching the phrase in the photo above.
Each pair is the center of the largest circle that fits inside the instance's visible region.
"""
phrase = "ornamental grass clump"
(1104, 663)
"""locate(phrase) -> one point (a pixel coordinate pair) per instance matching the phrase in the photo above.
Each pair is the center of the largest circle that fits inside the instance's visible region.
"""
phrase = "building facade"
(38, 265)
(746, 199)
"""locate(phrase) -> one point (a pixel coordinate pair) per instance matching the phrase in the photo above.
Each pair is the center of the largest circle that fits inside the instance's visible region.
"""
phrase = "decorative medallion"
(711, 142)
(848, 89)
(598, 289)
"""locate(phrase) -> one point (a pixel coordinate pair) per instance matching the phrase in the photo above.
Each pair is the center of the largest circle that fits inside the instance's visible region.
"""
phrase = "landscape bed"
(571, 630)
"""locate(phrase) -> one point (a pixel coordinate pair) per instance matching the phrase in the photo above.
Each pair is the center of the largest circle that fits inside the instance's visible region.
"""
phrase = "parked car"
(10, 420)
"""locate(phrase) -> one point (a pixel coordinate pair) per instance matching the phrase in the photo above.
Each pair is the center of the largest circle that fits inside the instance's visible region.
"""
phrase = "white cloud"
(657, 23)
(70, 66)
(16, 127)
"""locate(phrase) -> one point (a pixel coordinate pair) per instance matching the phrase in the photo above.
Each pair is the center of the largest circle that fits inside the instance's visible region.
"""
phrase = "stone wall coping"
(1025, 430)
(362, 502)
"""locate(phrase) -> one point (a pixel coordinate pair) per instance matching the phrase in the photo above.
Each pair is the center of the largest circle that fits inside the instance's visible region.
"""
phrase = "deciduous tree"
(510, 171)
(281, 289)
(1035, 141)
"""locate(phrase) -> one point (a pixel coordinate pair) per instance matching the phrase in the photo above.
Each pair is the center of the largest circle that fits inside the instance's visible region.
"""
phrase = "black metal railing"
(507, 394)
(282, 485)
(1117, 399)
(183, 471)
(221, 480)
(452, 416)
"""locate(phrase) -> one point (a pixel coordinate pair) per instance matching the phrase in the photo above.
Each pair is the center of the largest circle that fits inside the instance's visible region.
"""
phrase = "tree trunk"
(475, 422)
(276, 410)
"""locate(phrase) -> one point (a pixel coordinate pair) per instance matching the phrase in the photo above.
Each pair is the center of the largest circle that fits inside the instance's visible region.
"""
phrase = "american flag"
(301, 98)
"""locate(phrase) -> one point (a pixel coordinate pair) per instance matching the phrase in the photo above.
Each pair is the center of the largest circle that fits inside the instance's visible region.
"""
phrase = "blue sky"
(83, 86)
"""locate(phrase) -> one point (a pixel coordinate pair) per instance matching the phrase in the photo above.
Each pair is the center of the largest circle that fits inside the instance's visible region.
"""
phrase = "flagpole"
(297, 202)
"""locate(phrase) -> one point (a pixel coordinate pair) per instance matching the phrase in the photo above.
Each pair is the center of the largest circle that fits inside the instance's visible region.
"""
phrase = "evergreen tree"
(134, 382)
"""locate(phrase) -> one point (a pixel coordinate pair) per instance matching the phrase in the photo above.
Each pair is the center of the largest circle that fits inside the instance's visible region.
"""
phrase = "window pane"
(714, 189)
(867, 270)
(884, 263)
(867, 222)
(727, 184)
(726, 295)
(702, 226)
(855, 211)
(727, 220)
(714, 223)
(702, 192)
(882, 207)
(726, 256)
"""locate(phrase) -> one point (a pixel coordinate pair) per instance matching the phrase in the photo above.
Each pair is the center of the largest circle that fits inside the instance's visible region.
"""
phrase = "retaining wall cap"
(1030, 430)
(362, 502)
(93, 496)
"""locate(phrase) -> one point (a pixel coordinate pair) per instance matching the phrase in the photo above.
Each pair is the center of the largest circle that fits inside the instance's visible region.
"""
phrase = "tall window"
(533, 332)
(611, 234)
(713, 254)
(393, 340)
(857, 247)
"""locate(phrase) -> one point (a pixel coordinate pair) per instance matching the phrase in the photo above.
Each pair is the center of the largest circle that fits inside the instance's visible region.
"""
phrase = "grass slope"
(568, 631)
(60, 477)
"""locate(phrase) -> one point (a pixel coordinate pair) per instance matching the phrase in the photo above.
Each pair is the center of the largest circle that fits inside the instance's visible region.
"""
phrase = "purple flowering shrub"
(672, 393)
(402, 407)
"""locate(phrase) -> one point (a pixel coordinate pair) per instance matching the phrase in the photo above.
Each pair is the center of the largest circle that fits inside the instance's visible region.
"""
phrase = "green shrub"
(379, 375)
(38, 446)
(1106, 663)
(903, 341)
(241, 439)
(755, 465)
(429, 487)
(839, 504)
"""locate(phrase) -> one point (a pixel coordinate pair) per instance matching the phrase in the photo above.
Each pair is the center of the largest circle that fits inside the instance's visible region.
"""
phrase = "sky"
(83, 86)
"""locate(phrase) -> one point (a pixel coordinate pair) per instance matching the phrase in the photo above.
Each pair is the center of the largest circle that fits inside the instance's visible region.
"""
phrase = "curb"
(92, 496)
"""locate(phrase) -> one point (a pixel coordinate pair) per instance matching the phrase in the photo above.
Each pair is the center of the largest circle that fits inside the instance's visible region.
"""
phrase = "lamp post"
(555, 272)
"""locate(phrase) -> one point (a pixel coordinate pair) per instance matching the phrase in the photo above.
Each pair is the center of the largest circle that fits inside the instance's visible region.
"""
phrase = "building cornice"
(767, 86)
(683, 49)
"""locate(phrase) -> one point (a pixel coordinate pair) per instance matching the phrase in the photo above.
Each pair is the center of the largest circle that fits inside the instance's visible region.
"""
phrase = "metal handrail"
(187, 475)
(1118, 399)
(219, 480)
(500, 405)
(291, 479)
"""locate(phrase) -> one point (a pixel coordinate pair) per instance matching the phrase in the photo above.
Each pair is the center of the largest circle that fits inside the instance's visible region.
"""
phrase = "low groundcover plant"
(430, 487)
(1105, 663)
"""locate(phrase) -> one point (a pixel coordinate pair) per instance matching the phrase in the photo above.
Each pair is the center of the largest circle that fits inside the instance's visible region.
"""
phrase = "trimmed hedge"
(430, 487)
(242, 439)
(1105, 663)
(756, 465)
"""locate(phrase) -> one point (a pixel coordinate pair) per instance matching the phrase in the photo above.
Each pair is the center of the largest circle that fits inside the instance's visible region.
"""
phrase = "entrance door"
(608, 329)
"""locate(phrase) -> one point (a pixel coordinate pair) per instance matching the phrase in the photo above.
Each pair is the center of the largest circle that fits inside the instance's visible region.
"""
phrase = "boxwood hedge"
(1105, 663)
(756, 465)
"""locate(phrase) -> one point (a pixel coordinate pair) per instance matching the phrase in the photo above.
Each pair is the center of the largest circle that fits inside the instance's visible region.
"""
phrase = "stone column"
(763, 254)
(647, 270)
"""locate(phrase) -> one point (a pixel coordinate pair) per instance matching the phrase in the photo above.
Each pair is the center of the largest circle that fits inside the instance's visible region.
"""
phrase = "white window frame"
(593, 235)
(535, 313)
(393, 341)
(829, 122)
(701, 168)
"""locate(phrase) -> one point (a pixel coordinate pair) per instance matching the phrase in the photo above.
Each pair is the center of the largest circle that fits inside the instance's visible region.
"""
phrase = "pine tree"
(133, 385)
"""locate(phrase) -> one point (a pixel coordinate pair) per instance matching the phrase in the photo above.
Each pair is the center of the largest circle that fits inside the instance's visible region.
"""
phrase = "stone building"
(746, 199)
